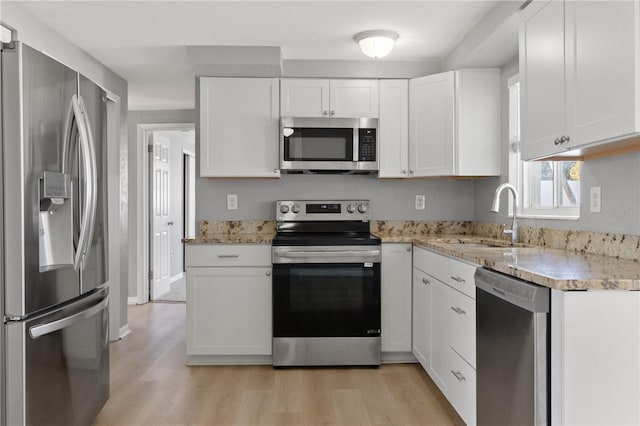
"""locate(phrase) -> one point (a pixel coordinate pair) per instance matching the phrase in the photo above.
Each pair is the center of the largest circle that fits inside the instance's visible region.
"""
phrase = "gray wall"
(618, 176)
(390, 199)
(40, 36)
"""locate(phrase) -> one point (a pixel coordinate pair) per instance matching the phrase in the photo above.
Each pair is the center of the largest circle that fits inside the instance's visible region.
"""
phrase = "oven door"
(326, 293)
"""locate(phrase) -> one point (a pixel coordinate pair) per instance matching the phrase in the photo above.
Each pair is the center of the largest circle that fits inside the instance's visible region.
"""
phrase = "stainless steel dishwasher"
(512, 327)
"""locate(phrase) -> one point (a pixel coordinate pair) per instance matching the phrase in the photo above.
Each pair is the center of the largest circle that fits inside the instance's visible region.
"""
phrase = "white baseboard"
(176, 277)
(124, 331)
(132, 300)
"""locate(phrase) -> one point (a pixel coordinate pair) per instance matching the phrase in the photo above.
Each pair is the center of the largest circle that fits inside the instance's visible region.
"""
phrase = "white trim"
(176, 277)
(142, 201)
(188, 152)
(132, 300)
(125, 331)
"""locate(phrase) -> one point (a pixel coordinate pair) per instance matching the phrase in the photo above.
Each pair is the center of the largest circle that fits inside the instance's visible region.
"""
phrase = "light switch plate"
(232, 201)
(420, 202)
(595, 200)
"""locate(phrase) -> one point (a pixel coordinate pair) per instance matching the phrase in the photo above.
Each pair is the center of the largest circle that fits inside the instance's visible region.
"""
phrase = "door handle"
(459, 376)
(458, 310)
(51, 327)
(458, 279)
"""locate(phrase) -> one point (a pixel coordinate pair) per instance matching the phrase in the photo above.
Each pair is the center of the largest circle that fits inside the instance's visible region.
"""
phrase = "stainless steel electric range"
(326, 285)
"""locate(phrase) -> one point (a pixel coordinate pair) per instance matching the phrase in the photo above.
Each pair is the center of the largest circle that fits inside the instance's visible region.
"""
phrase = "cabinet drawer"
(432, 263)
(461, 277)
(228, 255)
(462, 387)
(462, 317)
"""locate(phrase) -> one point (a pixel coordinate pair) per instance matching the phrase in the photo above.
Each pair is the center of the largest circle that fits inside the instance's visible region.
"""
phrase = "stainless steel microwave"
(329, 144)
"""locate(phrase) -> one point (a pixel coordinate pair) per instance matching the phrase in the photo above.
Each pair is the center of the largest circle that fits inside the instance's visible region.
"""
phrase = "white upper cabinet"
(454, 124)
(239, 127)
(329, 98)
(578, 73)
(393, 129)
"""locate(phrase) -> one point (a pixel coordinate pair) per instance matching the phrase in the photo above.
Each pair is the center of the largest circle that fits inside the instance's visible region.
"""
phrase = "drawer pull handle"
(228, 256)
(425, 281)
(459, 311)
(459, 279)
(459, 376)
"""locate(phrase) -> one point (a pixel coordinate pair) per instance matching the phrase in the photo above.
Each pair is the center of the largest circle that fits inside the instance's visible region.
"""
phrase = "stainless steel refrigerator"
(54, 249)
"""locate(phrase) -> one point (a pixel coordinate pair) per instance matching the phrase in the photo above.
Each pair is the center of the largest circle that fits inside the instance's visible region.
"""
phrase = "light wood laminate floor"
(152, 385)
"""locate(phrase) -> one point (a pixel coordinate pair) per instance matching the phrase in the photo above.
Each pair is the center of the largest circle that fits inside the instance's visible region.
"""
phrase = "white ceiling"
(145, 41)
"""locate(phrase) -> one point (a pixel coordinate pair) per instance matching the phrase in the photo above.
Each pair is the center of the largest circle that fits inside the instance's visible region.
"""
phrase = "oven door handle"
(299, 254)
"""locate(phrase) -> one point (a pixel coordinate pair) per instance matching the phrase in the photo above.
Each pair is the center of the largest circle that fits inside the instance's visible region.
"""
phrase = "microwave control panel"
(367, 145)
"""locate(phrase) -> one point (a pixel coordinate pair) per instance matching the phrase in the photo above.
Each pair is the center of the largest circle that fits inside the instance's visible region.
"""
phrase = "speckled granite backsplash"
(623, 246)
(208, 228)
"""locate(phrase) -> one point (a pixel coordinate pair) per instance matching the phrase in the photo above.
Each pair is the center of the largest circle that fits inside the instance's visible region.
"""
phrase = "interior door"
(160, 222)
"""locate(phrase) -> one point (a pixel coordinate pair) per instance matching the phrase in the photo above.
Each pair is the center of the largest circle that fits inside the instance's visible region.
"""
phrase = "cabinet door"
(462, 388)
(462, 317)
(239, 127)
(354, 98)
(439, 335)
(542, 78)
(229, 311)
(431, 121)
(421, 319)
(393, 128)
(396, 297)
(601, 69)
(304, 98)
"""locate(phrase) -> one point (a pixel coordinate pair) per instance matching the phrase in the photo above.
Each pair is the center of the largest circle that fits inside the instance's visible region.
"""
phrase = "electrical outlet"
(420, 202)
(232, 201)
(595, 201)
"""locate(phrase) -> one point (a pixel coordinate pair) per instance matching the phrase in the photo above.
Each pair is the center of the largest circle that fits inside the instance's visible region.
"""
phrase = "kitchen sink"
(479, 245)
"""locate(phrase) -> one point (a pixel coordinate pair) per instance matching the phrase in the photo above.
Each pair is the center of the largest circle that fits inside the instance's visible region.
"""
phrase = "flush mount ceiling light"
(376, 43)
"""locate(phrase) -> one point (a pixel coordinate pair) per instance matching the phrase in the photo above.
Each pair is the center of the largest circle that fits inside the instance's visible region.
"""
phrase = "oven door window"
(319, 144)
(326, 300)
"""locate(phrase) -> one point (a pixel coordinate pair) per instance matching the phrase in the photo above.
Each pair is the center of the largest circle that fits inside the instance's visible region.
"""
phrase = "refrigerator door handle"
(78, 117)
(92, 187)
(48, 328)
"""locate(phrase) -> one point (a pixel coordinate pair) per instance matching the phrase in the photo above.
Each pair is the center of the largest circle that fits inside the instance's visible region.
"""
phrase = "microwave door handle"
(356, 144)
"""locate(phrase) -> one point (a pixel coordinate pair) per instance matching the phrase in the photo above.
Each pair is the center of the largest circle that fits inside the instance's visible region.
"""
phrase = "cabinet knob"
(458, 311)
(268, 273)
(333, 112)
(407, 249)
(170, 223)
(276, 170)
(325, 112)
(564, 139)
(404, 172)
(411, 172)
(458, 279)
(425, 281)
(556, 141)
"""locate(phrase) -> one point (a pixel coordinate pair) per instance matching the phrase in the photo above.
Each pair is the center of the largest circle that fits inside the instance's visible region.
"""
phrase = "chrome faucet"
(495, 207)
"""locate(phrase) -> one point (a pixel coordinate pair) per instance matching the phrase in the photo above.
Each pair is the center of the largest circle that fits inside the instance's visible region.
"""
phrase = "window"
(549, 189)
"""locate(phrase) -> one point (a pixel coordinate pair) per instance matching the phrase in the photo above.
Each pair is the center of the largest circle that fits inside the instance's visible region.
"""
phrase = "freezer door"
(95, 272)
(36, 98)
(58, 364)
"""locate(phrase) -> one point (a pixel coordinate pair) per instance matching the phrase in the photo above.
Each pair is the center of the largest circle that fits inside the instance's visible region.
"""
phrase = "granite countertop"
(257, 238)
(554, 268)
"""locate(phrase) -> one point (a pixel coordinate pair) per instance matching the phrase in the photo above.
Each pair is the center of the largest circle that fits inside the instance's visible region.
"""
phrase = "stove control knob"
(362, 208)
(295, 208)
(351, 208)
(284, 209)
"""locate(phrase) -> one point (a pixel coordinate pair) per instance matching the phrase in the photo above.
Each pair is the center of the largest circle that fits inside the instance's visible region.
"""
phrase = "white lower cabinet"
(462, 387)
(444, 326)
(396, 297)
(228, 306)
(420, 330)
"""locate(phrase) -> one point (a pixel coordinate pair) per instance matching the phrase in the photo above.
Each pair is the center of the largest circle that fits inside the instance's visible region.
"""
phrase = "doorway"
(171, 193)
